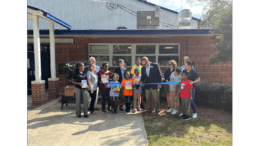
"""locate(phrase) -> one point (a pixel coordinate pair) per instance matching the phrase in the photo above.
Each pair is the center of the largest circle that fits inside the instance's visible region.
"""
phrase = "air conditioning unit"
(185, 18)
(146, 20)
(157, 11)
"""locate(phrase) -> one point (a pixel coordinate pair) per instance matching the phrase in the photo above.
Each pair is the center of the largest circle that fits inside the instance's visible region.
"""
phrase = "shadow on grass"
(173, 129)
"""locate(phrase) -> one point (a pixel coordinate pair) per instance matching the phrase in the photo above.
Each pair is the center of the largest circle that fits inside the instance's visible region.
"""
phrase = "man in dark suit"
(120, 71)
(151, 73)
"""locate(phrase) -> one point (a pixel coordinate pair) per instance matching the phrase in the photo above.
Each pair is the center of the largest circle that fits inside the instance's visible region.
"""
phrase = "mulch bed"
(217, 115)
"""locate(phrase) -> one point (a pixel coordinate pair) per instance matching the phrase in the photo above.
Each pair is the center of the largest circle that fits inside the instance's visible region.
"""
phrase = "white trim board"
(57, 40)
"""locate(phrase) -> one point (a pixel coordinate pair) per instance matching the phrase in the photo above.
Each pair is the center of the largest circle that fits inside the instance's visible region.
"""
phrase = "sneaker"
(186, 118)
(181, 115)
(169, 110)
(121, 109)
(194, 116)
(174, 112)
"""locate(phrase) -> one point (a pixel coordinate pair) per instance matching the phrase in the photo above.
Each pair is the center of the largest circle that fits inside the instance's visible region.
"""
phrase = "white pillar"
(52, 50)
(37, 49)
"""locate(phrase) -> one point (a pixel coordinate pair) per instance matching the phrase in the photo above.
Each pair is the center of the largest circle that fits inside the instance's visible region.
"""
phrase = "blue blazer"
(97, 69)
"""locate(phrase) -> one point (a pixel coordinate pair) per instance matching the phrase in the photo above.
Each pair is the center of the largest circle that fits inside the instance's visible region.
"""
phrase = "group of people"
(122, 86)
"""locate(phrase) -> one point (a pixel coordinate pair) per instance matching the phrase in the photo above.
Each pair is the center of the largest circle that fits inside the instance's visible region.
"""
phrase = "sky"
(177, 5)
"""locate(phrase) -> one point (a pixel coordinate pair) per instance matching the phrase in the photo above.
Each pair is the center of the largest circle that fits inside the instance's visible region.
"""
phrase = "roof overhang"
(46, 16)
(128, 32)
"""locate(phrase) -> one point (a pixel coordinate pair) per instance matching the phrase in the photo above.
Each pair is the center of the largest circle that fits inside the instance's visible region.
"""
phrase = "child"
(127, 85)
(186, 95)
(114, 92)
(174, 96)
(137, 89)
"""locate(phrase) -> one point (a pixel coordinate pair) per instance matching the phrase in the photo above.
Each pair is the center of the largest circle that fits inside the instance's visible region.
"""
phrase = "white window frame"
(133, 51)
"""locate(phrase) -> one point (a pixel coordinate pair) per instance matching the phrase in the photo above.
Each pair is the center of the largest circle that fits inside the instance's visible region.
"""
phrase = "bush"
(208, 94)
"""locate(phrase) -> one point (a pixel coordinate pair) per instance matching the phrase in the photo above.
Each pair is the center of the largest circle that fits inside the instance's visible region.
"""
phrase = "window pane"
(163, 60)
(168, 49)
(101, 59)
(151, 58)
(127, 59)
(145, 49)
(122, 49)
(98, 49)
(30, 48)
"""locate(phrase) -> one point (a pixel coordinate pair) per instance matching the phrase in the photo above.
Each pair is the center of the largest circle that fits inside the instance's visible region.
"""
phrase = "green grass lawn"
(169, 130)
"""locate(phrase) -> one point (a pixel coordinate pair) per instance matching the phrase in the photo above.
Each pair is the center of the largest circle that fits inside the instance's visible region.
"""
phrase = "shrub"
(208, 94)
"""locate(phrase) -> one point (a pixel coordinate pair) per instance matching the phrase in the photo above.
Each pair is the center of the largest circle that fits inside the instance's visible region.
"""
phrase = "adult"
(186, 58)
(172, 64)
(92, 83)
(93, 60)
(151, 73)
(104, 91)
(137, 65)
(121, 71)
(194, 77)
(78, 76)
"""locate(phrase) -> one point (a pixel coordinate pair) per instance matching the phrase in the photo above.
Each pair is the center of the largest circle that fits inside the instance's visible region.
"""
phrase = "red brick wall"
(38, 93)
(53, 89)
(197, 47)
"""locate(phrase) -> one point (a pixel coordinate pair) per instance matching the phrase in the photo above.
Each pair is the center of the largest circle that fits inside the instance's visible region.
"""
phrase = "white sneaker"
(175, 112)
(194, 116)
(180, 114)
(169, 110)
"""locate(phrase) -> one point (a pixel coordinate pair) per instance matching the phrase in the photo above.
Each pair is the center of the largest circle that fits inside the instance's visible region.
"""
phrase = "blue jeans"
(192, 103)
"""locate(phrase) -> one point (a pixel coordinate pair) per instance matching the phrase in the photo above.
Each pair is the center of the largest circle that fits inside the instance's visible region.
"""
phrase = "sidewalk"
(49, 125)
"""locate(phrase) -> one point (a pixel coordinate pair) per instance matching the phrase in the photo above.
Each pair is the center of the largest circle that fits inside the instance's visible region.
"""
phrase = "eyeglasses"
(170, 64)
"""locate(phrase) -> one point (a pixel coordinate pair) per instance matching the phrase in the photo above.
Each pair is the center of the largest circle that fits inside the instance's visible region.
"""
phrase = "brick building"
(49, 47)
(158, 45)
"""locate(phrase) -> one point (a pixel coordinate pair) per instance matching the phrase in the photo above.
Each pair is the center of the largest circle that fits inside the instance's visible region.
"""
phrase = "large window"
(100, 52)
(157, 53)
(168, 52)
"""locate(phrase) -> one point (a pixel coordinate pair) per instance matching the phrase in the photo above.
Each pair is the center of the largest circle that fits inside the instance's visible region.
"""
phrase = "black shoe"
(115, 111)
(79, 116)
(104, 111)
(182, 116)
(85, 116)
(121, 109)
(186, 118)
(132, 107)
(142, 106)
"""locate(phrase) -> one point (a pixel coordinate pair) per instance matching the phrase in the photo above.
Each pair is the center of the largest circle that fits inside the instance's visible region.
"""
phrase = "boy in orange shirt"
(127, 84)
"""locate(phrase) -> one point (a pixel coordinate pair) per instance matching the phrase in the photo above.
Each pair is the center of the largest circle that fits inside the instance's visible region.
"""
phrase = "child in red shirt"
(186, 95)
(127, 84)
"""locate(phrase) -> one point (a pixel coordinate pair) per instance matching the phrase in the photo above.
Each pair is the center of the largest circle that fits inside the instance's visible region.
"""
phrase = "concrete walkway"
(48, 125)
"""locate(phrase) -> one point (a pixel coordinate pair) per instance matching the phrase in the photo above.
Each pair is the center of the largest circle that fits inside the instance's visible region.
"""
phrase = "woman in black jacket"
(172, 64)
